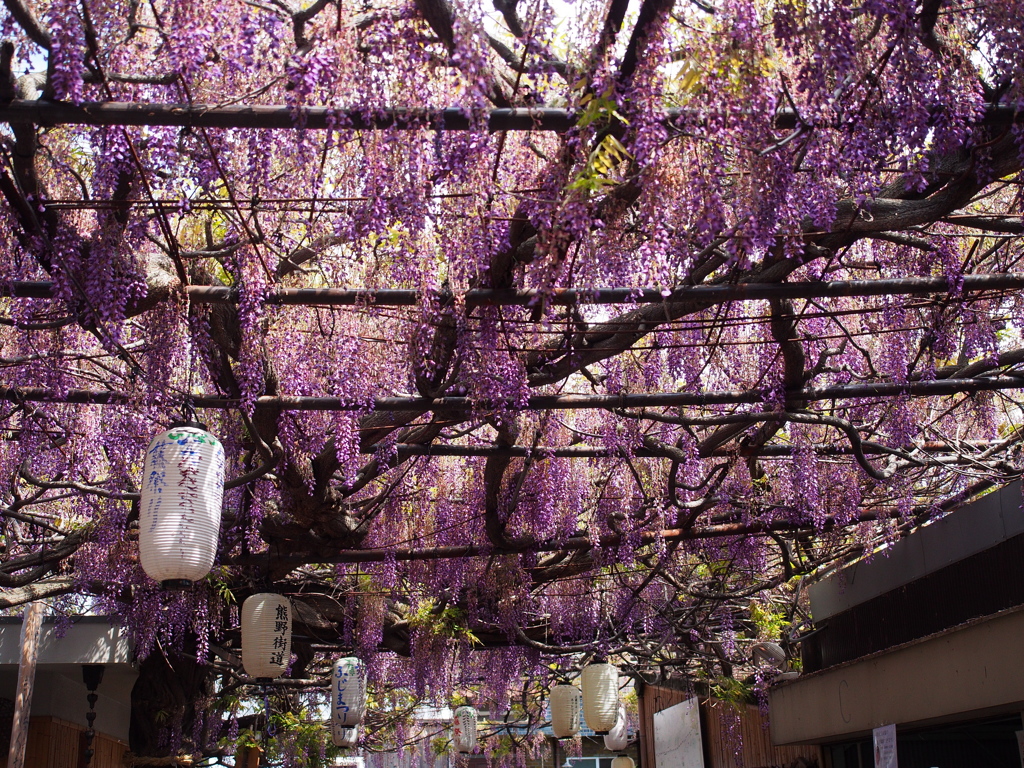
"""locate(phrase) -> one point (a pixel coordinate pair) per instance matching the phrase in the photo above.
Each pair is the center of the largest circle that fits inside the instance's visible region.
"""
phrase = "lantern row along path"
(179, 530)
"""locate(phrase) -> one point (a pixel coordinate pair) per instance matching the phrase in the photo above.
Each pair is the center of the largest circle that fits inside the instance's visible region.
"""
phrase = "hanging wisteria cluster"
(475, 471)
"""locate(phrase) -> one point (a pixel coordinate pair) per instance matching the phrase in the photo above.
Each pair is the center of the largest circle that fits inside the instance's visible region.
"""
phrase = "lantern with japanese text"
(600, 696)
(266, 635)
(565, 704)
(617, 739)
(342, 736)
(180, 505)
(464, 729)
(348, 693)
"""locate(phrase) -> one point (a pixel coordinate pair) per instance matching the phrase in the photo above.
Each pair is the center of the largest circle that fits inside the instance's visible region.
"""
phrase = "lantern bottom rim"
(176, 584)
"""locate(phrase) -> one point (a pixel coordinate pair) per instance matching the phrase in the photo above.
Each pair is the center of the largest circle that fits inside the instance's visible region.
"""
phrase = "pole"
(30, 627)
(460, 404)
(497, 297)
(283, 116)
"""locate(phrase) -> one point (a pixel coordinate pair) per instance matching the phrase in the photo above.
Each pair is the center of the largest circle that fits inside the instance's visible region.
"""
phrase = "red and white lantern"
(617, 739)
(464, 729)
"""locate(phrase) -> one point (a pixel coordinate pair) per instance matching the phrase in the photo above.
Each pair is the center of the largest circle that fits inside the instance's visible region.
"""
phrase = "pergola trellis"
(43, 113)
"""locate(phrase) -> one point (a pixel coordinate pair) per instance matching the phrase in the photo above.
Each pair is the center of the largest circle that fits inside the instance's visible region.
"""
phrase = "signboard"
(884, 739)
(677, 739)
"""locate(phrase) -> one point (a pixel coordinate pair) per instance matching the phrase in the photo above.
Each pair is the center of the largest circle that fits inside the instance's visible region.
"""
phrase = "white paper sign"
(677, 741)
(885, 746)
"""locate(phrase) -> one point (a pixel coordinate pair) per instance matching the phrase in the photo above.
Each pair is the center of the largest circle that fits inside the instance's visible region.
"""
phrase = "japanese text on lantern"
(280, 642)
(347, 687)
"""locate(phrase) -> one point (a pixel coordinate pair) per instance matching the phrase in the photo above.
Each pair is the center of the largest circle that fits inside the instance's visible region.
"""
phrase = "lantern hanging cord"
(189, 417)
(188, 403)
(188, 409)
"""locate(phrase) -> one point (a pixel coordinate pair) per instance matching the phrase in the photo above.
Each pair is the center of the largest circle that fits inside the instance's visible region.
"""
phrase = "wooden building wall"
(654, 699)
(732, 738)
(56, 743)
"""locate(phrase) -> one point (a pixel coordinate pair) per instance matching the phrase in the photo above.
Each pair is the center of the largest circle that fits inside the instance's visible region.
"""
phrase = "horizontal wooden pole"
(597, 452)
(381, 554)
(49, 113)
(908, 286)
(932, 388)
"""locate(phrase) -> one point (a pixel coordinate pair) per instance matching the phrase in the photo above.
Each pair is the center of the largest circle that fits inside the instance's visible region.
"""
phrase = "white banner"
(885, 746)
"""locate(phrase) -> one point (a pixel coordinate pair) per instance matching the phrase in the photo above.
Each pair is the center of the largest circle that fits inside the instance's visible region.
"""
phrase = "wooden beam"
(397, 297)
(460, 405)
(283, 116)
(30, 630)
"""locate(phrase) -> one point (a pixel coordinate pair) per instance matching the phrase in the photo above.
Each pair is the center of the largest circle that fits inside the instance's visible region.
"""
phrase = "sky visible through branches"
(483, 498)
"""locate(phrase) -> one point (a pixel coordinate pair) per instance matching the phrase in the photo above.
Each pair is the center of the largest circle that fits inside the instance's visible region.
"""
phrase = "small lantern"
(600, 696)
(464, 729)
(180, 504)
(266, 635)
(565, 704)
(623, 761)
(348, 693)
(342, 736)
(617, 738)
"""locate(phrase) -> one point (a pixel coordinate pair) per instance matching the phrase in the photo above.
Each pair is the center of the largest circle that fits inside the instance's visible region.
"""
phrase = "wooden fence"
(56, 743)
(733, 738)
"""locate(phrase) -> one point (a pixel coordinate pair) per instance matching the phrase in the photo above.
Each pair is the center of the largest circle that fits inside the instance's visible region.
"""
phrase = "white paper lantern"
(348, 692)
(623, 761)
(600, 696)
(344, 737)
(182, 489)
(464, 729)
(266, 635)
(565, 704)
(617, 739)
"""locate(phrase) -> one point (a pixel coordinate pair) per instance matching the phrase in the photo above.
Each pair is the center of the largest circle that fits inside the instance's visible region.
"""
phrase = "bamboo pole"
(30, 630)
